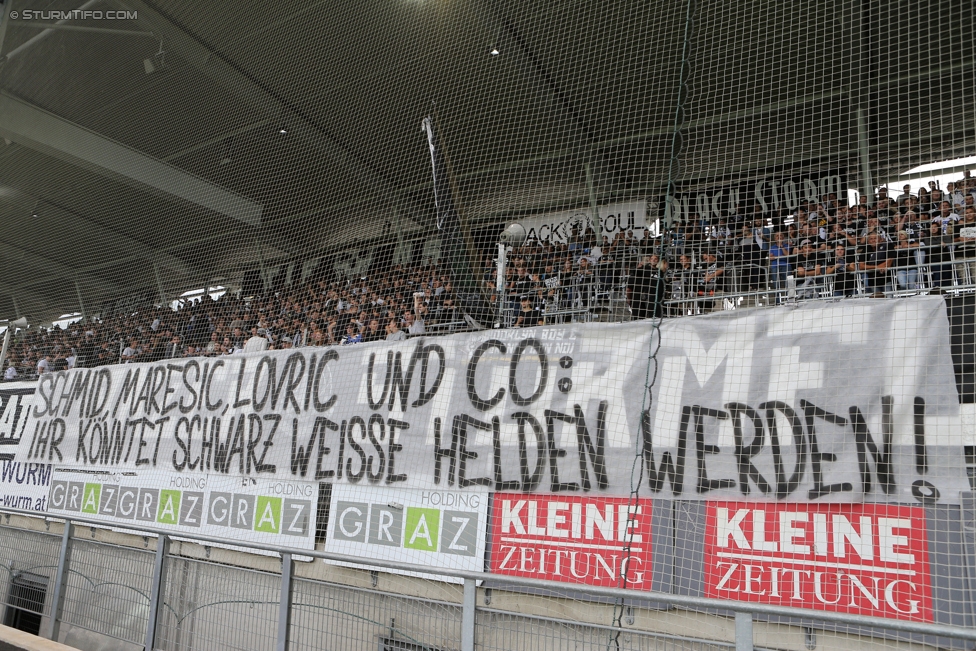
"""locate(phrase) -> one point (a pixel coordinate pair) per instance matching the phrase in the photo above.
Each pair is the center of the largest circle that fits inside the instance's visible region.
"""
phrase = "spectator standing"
(904, 261)
(583, 282)
(875, 261)
(809, 269)
(965, 247)
(924, 200)
(88, 352)
(945, 216)
(257, 342)
(174, 348)
(954, 195)
(937, 254)
(528, 315)
(845, 280)
(415, 322)
(237, 337)
(712, 277)
(131, 352)
(646, 288)
(352, 336)
(372, 331)
(761, 233)
(213, 346)
(780, 252)
(393, 331)
(684, 278)
(751, 254)
(906, 194)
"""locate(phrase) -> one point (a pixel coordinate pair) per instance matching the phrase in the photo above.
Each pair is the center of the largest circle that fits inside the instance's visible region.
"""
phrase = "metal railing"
(143, 598)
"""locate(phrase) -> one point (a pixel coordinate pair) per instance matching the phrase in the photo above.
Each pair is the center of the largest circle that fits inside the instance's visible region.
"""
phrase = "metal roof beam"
(32, 127)
(167, 260)
(11, 253)
(210, 63)
(164, 259)
(91, 269)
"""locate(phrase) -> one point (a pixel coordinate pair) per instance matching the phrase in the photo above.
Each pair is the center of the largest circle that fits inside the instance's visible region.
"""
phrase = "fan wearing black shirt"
(875, 260)
(709, 277)
(809, 267)
(937, 255)
(646, 287)
(527, 314)
(845, 280)
(373, 332)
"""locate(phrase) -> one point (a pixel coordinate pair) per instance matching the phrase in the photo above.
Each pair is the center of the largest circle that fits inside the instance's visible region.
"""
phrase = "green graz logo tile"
(424, 529)
(262, 513)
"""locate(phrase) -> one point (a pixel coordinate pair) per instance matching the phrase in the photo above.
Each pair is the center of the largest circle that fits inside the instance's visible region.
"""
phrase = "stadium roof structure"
(209, 137)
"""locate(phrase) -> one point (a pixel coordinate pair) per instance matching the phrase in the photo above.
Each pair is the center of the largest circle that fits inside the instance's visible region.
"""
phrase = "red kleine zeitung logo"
(869, 559)
(600, 541)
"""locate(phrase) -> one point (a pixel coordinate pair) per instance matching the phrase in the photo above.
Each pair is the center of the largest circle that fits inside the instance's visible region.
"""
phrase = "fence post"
(743, 632)
(60, 582)
(284, 606)
(156, 592)
(467, 615)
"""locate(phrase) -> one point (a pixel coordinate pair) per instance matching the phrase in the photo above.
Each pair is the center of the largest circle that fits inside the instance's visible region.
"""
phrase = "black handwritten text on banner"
(847, 402)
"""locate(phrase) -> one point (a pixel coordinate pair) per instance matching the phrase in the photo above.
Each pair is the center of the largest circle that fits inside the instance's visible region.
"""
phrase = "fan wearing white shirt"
(257, 342)
(131, 352)
(953, 194)
(945, 217)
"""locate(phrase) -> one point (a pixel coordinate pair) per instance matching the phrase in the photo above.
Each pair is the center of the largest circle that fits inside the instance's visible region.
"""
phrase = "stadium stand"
(821, 250)
(420, 325)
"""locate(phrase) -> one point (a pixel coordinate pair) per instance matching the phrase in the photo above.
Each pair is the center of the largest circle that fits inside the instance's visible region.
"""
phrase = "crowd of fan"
(907, 242)
(392, 305)
(917, 240)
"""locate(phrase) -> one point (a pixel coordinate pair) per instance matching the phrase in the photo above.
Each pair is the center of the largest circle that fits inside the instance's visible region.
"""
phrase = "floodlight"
(513, 235)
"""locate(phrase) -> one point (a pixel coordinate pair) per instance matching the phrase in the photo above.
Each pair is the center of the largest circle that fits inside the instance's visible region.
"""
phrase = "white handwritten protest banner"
(851, 401)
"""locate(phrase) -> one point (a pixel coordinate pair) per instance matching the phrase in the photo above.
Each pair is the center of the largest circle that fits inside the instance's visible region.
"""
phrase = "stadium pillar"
(157, 592)
(861, 95)
(52, 629)
(864, 148)
(500, 284)
(6, 345)
(81, 303)
(284, 605)
(594, 209)
(468, 615)
(8, 6)
(159, 285)
(265, 281)
(743, 632)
